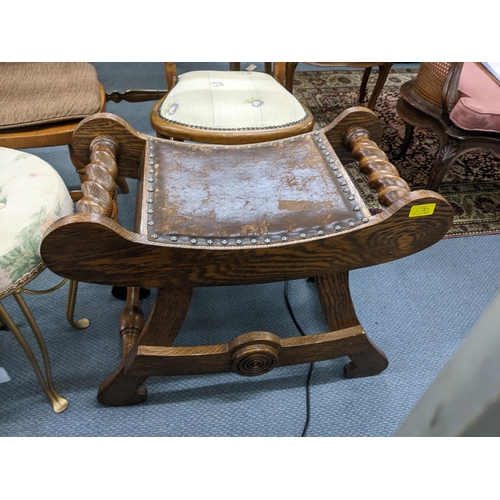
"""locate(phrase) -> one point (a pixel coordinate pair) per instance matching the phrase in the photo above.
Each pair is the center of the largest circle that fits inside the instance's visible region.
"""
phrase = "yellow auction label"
(422, 210)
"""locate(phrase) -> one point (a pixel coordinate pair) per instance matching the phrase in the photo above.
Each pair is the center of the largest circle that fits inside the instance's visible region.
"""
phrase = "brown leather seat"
(282, 191)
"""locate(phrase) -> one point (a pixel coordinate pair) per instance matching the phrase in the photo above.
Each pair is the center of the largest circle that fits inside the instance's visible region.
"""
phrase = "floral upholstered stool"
(32, 197)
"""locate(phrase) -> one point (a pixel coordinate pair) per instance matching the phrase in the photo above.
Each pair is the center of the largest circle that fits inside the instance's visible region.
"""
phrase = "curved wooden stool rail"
(264, 212)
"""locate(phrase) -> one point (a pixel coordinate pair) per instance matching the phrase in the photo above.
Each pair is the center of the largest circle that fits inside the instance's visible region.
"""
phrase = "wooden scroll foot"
(120, 389)
(171, 305)
(366, 363)
(336, 302)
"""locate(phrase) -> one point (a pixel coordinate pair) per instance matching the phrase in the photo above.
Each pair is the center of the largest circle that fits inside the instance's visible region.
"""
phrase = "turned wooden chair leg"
(336, 302)
(119, 389)
(166, 318)
(131, 320)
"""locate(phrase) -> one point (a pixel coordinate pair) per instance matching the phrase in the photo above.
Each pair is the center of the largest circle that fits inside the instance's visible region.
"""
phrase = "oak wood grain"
(129, 259)
(129, 143)
(233, 356)
(338, 308)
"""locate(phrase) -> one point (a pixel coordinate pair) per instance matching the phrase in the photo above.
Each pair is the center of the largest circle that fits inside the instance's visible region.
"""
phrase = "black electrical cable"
(311, 366)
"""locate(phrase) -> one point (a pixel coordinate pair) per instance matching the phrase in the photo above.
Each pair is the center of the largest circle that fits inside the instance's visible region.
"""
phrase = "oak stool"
(216, 215)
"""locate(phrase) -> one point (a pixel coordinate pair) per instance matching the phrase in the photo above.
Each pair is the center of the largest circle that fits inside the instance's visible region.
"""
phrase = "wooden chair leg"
(289, 72)
(121, 182)
(166, 318)
(336, 302)
(398, 153)
(383, 73)
(131, 320)
(366, 363)
(448, 153)
(364, 82)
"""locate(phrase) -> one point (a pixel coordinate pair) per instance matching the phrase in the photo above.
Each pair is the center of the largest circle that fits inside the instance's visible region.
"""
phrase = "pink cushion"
(478, 107)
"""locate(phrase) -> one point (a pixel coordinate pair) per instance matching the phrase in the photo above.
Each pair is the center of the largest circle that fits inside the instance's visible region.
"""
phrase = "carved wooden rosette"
(254, 353)
(382, 175)
(99, 188)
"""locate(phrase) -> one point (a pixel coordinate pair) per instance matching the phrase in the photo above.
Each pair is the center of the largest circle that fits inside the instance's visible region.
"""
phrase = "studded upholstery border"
(283, 191)
(231, 100)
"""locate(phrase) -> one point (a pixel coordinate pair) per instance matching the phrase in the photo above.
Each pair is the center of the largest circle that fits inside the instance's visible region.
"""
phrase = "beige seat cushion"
(38, 93)
(230, 100)
(32, 196)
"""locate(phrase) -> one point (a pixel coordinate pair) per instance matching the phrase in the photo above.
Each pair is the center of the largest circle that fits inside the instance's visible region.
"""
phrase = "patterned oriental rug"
(472, 186)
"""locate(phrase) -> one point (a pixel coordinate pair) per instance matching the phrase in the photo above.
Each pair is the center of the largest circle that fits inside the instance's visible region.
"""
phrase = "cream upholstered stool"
(229, 107)
(32, 197)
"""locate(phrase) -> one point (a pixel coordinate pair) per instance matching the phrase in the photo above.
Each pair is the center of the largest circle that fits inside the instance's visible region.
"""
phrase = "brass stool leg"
(70, 308)
(58, 402)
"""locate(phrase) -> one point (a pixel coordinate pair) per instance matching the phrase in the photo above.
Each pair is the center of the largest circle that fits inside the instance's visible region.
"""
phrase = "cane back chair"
(211, 215)
(460, 103)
